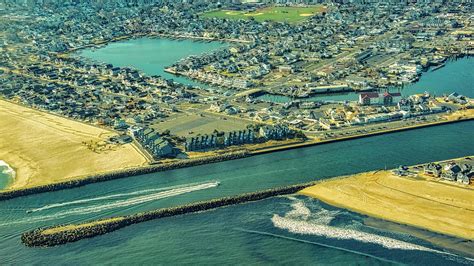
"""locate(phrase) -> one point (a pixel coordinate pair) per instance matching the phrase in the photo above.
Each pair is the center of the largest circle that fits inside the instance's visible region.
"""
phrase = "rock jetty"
(6, 195)
(62, 234)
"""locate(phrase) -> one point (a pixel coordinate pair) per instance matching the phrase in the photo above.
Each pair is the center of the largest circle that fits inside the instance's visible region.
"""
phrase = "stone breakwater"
(62, 234)
(6, 195)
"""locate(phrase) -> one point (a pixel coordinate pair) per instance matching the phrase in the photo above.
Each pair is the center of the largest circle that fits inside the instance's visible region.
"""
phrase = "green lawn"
(278, 14)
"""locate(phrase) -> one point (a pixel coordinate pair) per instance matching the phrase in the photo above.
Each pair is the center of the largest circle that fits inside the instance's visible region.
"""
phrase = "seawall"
(62, 234)
(352, 137)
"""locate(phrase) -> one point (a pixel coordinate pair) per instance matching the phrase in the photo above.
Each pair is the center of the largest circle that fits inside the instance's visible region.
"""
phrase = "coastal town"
(291, 59)
(345, 126)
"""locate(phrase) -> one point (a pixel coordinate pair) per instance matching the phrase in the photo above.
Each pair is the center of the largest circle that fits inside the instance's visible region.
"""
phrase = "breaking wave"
(300, 220)
(6, 169)
(309, 228)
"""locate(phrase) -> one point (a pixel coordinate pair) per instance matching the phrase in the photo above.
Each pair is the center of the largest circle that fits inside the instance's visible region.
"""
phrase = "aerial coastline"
(131, 171)
(53, 153)
(414, 199)
(267, 128)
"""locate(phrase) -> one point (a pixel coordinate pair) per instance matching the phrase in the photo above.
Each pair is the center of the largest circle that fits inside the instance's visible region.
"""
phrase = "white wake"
(116, 204)
(120, 195)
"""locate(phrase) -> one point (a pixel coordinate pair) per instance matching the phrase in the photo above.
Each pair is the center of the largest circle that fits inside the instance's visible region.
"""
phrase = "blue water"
(222, 236)
(456, 76)
(4, 180)
(151, 55)
(254, 233)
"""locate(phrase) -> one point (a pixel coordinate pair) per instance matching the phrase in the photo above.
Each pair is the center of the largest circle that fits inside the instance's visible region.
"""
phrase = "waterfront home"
(433, 169)
(220, 140)
(451, 171)
(386, 98)
(457, 98)
(402, 170)
(276, 132)
(158, 145)
(368, 98)
(390, 98)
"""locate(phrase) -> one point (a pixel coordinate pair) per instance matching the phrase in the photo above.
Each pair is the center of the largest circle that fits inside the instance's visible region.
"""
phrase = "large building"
(386, 98)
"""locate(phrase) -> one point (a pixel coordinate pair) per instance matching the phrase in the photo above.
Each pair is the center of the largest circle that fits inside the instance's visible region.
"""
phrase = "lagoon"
(151, 55)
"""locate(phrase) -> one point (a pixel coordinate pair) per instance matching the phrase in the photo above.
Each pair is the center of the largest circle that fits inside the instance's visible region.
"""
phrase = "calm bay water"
(456, 76)
(151, 56)
(281, 230)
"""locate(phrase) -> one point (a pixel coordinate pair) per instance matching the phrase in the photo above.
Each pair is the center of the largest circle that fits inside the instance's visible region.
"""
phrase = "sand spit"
(435, 206)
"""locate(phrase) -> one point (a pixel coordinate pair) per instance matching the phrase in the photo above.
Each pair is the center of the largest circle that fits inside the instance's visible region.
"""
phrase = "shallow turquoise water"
(151, 56)
(4, 180)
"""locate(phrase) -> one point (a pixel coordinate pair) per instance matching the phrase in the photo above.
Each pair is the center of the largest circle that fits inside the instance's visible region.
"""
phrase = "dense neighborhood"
(340, 48)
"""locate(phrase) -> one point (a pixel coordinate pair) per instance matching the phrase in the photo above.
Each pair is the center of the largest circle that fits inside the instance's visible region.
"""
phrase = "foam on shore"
(7, 170)
(300, 220)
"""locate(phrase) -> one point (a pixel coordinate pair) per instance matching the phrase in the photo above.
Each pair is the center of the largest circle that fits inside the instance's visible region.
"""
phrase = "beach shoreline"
(43, 148)
(28, 167)
(9, 173)
(421, 203)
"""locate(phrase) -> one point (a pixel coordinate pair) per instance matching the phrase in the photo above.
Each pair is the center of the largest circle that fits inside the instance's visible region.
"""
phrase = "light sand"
(306, 15)
(253, 14)
(438, 207)
(45, 148)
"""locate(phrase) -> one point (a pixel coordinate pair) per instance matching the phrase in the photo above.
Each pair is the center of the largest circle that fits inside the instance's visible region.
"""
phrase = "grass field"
(277, 14)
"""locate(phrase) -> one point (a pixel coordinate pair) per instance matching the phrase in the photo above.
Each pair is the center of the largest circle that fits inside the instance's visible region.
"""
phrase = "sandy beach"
(43, 148)
(438, 207)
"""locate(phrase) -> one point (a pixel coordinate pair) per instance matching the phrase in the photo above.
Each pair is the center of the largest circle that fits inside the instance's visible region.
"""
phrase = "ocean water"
(273, 231)
(151, 55)
(280, 230)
